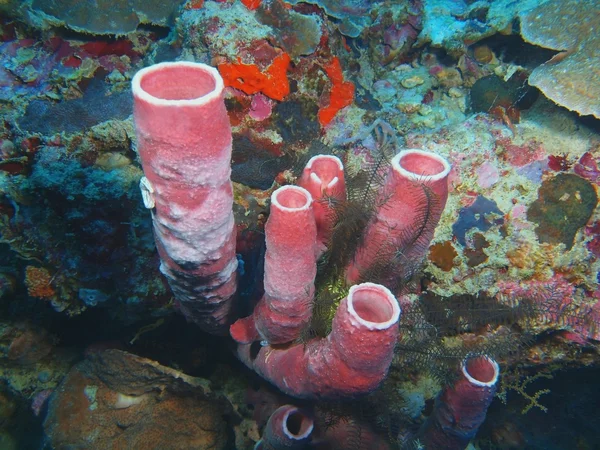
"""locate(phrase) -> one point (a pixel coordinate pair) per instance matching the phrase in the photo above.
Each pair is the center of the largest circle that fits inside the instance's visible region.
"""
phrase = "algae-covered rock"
(297, 33)
(565, 204)
(352, 15)
(115, 399)
(72, 116)
(491, 91)
(10, 7)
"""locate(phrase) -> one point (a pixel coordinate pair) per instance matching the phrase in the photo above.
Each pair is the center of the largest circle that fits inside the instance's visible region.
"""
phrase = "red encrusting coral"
(249, 79)
(559, 163)
(251, 4)
(103, 48)
(15, 166)
(508, 115)
(194, 4)
(38, 281)
(519, 155)
(28, 344)
(340, 95)
(442, 255)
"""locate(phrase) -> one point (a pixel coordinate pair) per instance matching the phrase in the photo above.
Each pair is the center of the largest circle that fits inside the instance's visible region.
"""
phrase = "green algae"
(565, 203)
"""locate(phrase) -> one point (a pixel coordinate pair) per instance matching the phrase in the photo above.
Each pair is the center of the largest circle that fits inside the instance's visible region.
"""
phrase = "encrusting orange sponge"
(249, 79)
(341, 94)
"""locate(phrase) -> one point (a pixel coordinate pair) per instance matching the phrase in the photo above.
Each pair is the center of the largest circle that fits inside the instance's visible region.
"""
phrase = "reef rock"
(451, 23)
(114, 399)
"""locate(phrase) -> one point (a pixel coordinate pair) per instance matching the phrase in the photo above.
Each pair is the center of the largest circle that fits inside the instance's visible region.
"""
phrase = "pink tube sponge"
(353, 360)
(409, 208)
(292, 428)
(184, 143)
(290, 270)
(324, 178)
(290, 232)
(460, 409)
(287, 428)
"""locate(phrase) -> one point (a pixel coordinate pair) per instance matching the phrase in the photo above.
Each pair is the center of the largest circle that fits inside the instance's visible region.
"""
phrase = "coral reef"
(320, 95)
(47, 117)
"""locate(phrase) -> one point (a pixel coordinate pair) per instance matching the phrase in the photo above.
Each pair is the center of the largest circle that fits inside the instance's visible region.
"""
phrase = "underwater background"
(492, 266)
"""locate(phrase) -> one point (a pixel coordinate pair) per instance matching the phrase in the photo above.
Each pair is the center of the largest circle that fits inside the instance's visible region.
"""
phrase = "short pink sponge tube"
(411, 204)
(290, 270)
(184, 143)
(352, 361)
(288, 428)
(324, 178)
(461, 408)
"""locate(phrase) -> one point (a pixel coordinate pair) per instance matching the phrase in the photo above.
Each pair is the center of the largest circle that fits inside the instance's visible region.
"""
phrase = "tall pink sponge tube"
(290, 270)
(460, 409)
(288, 428)
(410, 206)
(184, 143)
(353, 360)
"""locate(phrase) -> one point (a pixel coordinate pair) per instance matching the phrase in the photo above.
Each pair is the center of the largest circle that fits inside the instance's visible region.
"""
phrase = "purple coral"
(587, 167)
(39, 400)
